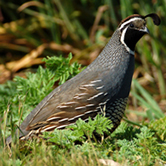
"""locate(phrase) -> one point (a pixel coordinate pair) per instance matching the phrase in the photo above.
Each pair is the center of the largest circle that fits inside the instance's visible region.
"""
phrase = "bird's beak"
(145, 30)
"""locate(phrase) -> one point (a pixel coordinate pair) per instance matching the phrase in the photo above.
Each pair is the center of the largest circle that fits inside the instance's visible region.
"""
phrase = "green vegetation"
(76, 145)
(32, 30)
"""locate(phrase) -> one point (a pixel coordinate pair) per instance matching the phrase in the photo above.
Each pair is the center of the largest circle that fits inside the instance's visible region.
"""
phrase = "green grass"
(127, 145)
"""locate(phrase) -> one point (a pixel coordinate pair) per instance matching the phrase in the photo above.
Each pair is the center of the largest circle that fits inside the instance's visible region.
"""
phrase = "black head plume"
(155, 18)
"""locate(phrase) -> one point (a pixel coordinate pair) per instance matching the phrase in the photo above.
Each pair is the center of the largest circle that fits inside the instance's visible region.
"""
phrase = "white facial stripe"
(131, 20)
(122, 40)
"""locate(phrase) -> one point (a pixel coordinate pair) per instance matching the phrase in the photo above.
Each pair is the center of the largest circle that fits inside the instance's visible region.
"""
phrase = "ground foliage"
(77, 144)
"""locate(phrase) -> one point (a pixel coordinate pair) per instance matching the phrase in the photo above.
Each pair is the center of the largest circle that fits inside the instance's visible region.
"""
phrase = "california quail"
(103, 85)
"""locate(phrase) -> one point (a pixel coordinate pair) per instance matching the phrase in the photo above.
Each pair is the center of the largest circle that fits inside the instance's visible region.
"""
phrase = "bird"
(103, 86)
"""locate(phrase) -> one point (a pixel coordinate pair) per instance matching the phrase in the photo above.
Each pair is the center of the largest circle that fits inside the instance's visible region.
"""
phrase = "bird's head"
(133, 28)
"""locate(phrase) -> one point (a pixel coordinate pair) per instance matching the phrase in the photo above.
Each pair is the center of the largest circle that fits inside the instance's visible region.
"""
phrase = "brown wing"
(86, 102)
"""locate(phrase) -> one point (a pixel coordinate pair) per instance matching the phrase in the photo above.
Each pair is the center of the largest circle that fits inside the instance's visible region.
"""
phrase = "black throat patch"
(131, 37)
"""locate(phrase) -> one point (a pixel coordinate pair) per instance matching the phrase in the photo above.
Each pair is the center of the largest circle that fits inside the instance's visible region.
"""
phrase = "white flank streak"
(87, 112)
(101, 104)
(92, 111)
(122, 40)
(78, 108)
(95, 96)
(82, 88)
(104, 102)
(86, 85)
(78, 116)
(105, 94)
(82, 94)
(62, 106)
(89, 105)
(48, 128)
(77, 97)
(38, 131)
(131, 20)
(86, 119)
(95, 81)
(61, 126)
(100, 87)
(62, 120)
(53, 118)
(31, 132)
(71, 102)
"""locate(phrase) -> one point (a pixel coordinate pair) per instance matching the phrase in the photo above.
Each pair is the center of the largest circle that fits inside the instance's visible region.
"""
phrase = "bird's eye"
(131, 25)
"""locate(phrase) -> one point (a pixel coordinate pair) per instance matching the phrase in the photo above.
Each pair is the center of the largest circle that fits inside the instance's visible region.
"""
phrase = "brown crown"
(154, 16)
